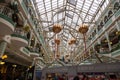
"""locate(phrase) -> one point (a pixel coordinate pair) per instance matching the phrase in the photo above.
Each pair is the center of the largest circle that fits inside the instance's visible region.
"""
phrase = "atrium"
(44, 38)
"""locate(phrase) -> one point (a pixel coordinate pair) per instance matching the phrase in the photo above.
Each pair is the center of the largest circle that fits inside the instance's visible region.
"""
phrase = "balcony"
(25, 10)
(25, 51)
(6, 24)
(116, 50)
(105, 51)
(33, 55)
(116, 53)
(34, 52)
(117, 14)
(19, 39)
(108, 24)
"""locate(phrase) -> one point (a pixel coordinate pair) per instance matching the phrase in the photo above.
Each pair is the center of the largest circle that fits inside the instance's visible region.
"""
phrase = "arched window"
(110, 13)
(101, 24)
(105, 19)
(92, 34)
(98, 27)
(28, 35)
(32, 42)
(30, 11)
(90, 37)
(36, 23)
(116, 6)
(15, 17)
(95, 31)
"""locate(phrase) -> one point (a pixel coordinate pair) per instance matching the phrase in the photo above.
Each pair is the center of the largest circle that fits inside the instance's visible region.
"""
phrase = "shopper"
(76, 78)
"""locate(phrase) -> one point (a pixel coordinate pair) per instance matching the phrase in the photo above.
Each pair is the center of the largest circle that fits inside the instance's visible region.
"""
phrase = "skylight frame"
(84, 8)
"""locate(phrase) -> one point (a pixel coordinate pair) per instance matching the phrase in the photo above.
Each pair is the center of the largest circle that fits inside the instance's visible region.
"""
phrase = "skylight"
(70, 14)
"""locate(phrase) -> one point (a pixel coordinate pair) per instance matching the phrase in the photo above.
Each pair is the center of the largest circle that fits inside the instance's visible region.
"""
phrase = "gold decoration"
(110, 42)
(69, 43)
(105, 40)
(4, 57)
(57, 55)
(57, 41)
(72, 41)
(26, 28)
(67, 55)
(118, 33)
(57, 28)
(83, 28)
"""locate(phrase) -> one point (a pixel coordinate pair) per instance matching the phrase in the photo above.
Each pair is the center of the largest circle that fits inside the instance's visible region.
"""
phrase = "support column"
(96, 55)
(118, 28)
(93, 46)
(96, 29)
(93, 52)
(25, 22)
(107, 37)
(99, 42)
(3, 45)
(34, 47)
(34, 74)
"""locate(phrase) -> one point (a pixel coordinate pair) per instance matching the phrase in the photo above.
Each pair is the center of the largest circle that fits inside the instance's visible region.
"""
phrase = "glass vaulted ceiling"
(70, 14)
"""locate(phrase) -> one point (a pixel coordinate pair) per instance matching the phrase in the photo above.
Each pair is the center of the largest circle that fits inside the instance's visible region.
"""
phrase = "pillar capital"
(3, 45)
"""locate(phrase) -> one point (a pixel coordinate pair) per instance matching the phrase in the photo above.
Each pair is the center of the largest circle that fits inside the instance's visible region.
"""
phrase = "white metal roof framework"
(70, 14)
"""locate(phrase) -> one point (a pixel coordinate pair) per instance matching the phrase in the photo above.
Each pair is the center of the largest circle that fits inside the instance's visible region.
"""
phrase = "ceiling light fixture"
(4, 57)
(71, 42)
(2, 63)
(83, 30)
(56, 29)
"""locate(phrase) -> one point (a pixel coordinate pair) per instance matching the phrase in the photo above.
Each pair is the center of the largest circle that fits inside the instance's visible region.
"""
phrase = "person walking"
(76, 78)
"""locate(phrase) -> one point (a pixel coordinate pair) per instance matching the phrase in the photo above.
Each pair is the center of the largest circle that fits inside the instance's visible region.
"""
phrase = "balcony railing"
(20, 33)
(114, 53)
(115, 47)
(26, 50)
(117, 13)
(105, 51)
(6, 13)
(41, 39)
(33, 50)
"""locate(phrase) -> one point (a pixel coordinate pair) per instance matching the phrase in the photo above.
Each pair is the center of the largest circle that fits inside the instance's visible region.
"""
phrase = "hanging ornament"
(83, 28)
(57, 41)
(57, 28)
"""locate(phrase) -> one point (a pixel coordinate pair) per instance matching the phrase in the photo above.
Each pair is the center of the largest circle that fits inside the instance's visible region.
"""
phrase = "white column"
(96, 29)
(107, 37)
(3, 45)
(93, 46)
(35, 42)
(25, 22)
(99, 42)
(34, 74)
